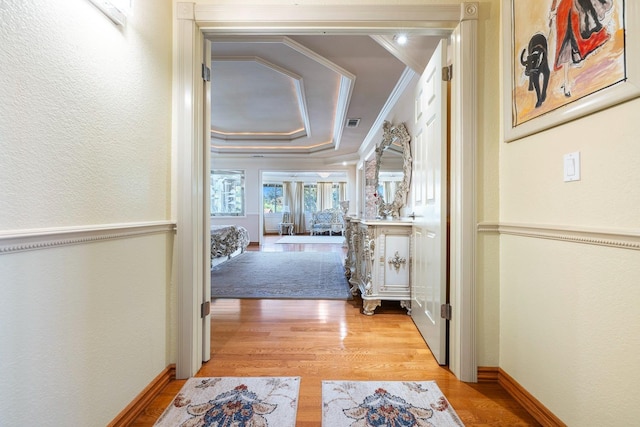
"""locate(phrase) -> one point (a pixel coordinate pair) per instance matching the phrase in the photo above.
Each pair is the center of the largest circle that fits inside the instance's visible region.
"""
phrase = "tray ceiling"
(293, 95)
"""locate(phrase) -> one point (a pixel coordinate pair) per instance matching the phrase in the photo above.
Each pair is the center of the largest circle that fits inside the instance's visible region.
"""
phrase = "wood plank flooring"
(332, 340)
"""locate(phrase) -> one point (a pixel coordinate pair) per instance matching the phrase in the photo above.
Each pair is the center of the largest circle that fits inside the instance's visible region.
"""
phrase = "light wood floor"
(332, 340)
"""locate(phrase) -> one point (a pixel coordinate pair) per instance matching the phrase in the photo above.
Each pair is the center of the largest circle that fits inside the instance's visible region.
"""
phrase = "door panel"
(428, 290)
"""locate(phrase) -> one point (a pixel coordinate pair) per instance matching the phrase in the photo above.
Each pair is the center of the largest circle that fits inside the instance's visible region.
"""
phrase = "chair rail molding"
(617, 238)
(44, 238)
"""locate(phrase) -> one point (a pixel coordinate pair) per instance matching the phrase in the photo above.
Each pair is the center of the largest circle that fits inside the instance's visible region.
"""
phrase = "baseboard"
(487, 374)
(135, 408)
(530, 403)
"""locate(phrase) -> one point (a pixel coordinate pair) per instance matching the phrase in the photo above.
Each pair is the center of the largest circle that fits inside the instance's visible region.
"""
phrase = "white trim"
(401, 54)
(345, 88)
(369, 143)
(426, 19)
(464, 118)
(342, 106)
(206, 205)
(188, 252)
(620, 239)
(300, 97)
(273, 18)
(47, 238)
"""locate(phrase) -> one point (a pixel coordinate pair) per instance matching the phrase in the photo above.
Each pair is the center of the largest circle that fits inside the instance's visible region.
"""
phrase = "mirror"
(393, 170)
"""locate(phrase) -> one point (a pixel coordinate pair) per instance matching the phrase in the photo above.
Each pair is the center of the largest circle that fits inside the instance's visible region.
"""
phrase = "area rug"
(312, 239)
(385, 403)
(281, 275)
(234, 401)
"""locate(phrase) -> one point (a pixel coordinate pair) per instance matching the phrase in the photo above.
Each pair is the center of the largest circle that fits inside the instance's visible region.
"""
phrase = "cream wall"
(85, 137)
(487, 183)
(569, 324)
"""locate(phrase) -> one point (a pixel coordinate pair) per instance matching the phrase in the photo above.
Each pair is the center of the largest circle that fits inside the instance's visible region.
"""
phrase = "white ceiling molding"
(346, 88)
(267, 150)
(347, 81)
(256, 137)
(300, 98)
(369, 144)
(340, 109)
(388, 43)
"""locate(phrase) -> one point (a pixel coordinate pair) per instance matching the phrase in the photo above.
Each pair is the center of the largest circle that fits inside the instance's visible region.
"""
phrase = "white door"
(428, 289)
(206, 203)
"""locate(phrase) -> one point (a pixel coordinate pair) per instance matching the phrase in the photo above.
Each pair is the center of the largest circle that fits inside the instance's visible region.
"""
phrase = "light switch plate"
(572, 167)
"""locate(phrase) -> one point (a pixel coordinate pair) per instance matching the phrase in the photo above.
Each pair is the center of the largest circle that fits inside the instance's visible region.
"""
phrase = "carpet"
(234, 401)
(311, 239)
(385, 403)
(281, 275)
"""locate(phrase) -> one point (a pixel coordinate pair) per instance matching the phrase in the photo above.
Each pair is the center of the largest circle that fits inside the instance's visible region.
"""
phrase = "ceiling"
(293, 96)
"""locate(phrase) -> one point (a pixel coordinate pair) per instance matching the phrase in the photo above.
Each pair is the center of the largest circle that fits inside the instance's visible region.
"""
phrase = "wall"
(487, 184)
(253, 168)
(86, 139)
(569, 328)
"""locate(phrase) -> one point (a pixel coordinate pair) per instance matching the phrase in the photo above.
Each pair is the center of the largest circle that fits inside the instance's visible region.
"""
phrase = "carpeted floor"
(227, 401)
(385, 403)
(281, 275)
(305, 239)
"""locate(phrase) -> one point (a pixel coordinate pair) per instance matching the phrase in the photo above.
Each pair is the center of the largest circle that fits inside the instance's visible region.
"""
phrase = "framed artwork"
(564, 59)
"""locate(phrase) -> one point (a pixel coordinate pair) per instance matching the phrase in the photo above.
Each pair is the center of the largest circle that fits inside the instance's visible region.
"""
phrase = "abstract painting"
(561, 52)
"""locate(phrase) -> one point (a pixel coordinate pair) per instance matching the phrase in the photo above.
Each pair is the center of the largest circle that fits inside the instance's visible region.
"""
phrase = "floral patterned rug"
(385, 403)
(234, 401)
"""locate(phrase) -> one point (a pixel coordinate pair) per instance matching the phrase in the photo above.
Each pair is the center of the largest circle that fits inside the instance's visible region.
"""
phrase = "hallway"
(322, 340)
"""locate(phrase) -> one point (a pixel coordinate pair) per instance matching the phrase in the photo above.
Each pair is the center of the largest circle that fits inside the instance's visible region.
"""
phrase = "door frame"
(196, 21)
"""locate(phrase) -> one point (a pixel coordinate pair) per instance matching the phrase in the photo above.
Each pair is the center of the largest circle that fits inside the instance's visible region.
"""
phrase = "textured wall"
(83, 330)
(85, 118)
(85, 137)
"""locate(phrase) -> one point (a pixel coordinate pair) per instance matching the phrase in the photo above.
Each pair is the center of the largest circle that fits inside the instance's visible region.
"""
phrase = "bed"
(228, 240)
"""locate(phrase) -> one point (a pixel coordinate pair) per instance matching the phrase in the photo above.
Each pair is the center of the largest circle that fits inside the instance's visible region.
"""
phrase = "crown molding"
(46, 238)
(345, 91)
(621, 239)
(369, 143)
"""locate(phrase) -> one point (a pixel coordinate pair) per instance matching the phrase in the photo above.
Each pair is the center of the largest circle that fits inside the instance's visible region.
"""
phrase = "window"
(335, 194)
(310, 197)
(272, 196)
(227, 193)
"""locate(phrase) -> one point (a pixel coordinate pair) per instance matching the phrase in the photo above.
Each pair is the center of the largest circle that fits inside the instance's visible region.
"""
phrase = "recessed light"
(401, 39)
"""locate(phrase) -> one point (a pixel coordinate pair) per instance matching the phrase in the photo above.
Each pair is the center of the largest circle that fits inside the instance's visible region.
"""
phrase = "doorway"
(197, 21)
(294, 193)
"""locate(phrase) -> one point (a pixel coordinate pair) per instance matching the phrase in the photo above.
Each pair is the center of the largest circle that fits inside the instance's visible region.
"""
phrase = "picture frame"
(541, 112)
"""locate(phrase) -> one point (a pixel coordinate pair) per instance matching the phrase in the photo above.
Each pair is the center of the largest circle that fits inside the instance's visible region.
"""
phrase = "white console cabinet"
(378, 261)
